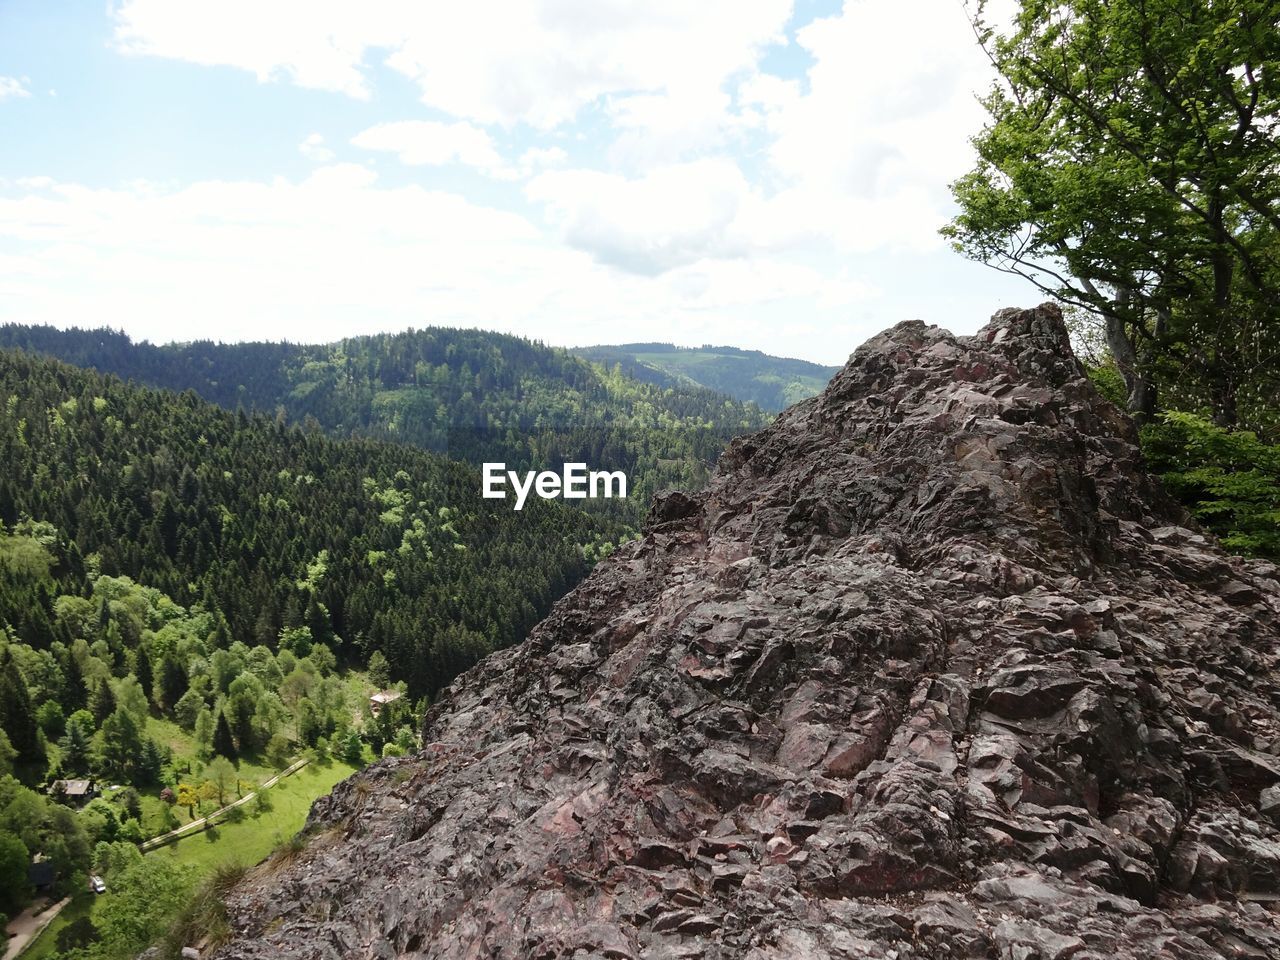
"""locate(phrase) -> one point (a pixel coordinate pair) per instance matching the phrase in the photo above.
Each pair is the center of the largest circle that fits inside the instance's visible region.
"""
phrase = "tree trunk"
(1141, 389)
(1226, 411)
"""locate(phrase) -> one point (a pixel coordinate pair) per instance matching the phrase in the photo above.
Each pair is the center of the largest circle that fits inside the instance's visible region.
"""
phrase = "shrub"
(279, 751)
(1229, 480)
(261, 802)
(204, 918)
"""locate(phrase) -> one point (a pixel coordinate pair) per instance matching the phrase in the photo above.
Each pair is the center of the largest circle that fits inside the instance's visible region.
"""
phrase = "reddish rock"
(930, 669)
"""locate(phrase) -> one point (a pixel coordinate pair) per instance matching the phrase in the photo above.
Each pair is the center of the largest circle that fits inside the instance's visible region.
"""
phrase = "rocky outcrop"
(931, 668)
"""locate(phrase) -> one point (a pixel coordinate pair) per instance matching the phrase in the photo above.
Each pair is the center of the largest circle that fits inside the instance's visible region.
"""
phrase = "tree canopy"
(1131, 166)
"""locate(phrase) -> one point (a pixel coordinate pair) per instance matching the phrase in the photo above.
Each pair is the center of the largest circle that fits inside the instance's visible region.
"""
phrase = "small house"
(78, 792)
(41, 873)
(381, 699)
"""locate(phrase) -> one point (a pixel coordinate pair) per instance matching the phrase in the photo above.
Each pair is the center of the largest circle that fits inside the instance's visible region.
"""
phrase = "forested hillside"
(773, 383)
(191, 599)
(472, 394)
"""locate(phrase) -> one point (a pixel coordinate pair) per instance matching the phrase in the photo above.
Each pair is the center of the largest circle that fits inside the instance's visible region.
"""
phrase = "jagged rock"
(930, 669)
(1269, 802)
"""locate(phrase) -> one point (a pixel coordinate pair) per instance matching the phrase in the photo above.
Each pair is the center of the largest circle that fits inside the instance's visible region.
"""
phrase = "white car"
(97, 885)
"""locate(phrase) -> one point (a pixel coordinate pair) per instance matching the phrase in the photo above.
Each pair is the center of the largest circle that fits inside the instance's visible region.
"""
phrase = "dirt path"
(195, 826)
(28, 925)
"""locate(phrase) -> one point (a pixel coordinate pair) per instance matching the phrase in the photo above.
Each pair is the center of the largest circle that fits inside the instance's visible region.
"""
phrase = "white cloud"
(665, 127)
(542, 157)
(313, 149)
(854, 158)
(670, 217)
(532, 61)
(678, 192)
(867, 151)
(857, 155)
(676, 215)
(338, 253)
(318, 44)
(14, 88)
(436, 144)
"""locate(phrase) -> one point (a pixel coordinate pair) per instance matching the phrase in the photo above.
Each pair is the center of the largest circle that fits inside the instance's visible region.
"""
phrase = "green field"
(244, 843)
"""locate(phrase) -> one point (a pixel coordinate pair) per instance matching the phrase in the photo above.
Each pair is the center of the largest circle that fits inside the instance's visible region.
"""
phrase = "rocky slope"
(930, 669)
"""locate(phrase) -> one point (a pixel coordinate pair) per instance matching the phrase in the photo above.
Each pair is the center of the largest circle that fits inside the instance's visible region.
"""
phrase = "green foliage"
(7, 755)
(119, 745)
(223, 518)
(1110, 383)
(76, 744)
(223, 743)
(261, 802)
(474, 395)
(100, 820)
(110, 860)
(379, 671)
(279, 751)
(1229, 480)
(222, 774)
(1127, 167)
(43, 828)
(15, 890)
(353, 750)
(52, 721)
(144, 897)
(17, 717)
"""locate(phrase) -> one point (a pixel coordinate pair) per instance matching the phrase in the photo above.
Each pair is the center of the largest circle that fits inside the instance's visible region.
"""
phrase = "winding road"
(28, 925)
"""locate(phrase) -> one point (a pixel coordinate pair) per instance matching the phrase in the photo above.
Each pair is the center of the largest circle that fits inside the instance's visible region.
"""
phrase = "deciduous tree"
(1131, 165)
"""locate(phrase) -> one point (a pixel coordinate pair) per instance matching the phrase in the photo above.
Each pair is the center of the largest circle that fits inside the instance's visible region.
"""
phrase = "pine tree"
(121, 743)
(17, 718)
(242, 712)
(142, 670)
(75, 749)
(103, 702)
(74, 694)
(223, 743)
(379, 674)
(173, 682)
(353, 750)
(150, 763)
(317, 618)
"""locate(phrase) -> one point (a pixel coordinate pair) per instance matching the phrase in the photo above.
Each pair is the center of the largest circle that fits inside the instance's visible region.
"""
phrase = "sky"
(769, 174)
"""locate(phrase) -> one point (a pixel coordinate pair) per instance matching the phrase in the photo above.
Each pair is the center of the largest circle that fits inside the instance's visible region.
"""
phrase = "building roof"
(74, 788)
(41, 873)
(386, 696)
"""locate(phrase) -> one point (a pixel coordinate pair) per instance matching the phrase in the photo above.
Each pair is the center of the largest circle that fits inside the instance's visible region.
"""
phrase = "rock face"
(930, 669)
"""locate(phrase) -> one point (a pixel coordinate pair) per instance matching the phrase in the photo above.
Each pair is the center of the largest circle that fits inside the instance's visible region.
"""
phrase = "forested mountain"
(747, 375)
(264, 527)
(184, 591)
(472, 394)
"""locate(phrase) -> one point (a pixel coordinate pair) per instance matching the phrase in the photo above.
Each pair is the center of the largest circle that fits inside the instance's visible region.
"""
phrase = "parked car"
(97, 884)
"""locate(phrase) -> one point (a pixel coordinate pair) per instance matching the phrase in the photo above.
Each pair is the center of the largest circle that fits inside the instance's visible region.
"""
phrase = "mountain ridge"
(930, 668)
(472, 395)
(773, 383)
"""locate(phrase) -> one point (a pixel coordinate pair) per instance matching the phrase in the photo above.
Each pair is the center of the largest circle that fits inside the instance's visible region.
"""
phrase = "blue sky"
(768, 174)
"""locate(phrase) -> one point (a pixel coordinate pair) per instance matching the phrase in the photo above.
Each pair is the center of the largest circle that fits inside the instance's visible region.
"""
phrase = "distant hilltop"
(772, 383)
